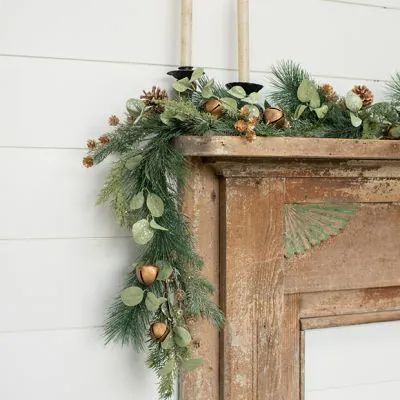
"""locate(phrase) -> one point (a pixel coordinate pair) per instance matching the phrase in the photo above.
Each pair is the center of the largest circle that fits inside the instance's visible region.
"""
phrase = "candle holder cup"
(182, 72)
(248, 87)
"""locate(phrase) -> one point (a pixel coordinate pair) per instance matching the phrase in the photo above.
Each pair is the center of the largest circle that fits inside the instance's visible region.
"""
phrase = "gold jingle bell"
(214, 107)
(159, 331)
(147, 274)
(275, 117)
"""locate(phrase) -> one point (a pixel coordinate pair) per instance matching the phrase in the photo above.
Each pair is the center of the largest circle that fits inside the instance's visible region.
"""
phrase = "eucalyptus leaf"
(142, 232)
(134, 106)
(237, 91)
(395, 132)
(355, 121)
(168, 342)
(155, 205)
(315, 101)
(137, 201)
(353, 102)
(157, 226)
(306, 91)
(192, 363)
(132, 162)
(132, 296)
(167, 368)
(165, 118)
(182, 336)
(252, 98)
(152, 302)
(254, 111)
(207, 92)
(196, 74)
(321, 111)
(182, 85)
(229, 104)
(165, 270)
(299, 111)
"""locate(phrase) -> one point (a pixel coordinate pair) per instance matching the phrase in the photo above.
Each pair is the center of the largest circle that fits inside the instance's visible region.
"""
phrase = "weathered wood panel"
(319, 190)
(253, 298)
(242, 168)
(281, 147)
(339, 302)
(366, 254)
(201, 205)
(349, 319)
(291, 349)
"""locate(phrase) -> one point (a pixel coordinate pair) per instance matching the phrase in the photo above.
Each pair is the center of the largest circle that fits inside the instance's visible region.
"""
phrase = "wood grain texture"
(319, 190)
(339, 302)
(201, 205)
(349, 319)
(243, 167)
(253, 299)
(281, 147)
(291, 349)
(366, 254)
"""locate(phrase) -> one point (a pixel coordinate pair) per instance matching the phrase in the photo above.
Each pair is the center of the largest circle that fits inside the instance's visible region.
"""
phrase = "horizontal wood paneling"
(71, 365)
(49, 193)
(147, 32)
(64, 283)
(352, 356)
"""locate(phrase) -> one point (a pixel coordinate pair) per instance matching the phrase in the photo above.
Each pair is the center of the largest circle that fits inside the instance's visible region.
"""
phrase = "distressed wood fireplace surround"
(239, 200)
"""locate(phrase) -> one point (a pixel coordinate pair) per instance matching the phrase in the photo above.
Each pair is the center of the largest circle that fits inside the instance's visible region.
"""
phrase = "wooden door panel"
(366, 254)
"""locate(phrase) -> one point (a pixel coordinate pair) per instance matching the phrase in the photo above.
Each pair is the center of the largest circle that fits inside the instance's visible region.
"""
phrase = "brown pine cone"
(91, 144)
(104, 139)
(88, 161)
(365, 94)
(113, 120)
(329, 93)
(153, 97)
(241, 126)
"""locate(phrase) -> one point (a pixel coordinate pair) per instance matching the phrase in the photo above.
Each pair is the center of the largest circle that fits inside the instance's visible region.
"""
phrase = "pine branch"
(286, 78)
(393, 88)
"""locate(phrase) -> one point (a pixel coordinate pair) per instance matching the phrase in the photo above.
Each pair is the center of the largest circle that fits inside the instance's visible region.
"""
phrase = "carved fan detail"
(307, 225)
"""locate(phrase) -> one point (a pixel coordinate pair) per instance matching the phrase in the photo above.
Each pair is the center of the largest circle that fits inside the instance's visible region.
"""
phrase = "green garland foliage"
(144, 185)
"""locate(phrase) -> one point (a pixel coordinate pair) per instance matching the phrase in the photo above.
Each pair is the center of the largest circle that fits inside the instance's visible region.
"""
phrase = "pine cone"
(91, 144)
(88, 161)
(365, 94)
(329, 93)
(241, 126)
(154, 97)
(113, 120)
(104, 139)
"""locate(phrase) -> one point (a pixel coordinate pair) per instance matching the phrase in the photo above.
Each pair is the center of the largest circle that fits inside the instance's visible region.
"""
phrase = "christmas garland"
(165, 291)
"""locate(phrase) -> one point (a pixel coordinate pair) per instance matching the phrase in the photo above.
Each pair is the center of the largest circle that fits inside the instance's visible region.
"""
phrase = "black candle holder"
(247, 86)
(182, 72)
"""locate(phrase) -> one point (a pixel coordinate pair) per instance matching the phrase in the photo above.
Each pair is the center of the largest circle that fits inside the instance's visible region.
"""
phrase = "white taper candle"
(186, 32)
(243, 39)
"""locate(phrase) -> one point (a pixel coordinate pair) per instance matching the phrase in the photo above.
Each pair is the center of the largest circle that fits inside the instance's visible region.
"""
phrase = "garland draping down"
(165, 291)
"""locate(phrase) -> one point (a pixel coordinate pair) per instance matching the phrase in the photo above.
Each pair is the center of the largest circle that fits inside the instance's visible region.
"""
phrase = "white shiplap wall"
(64, 67)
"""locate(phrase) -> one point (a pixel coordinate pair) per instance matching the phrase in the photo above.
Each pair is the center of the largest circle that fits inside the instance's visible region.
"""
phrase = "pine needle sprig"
(286, 78)
(393, 88)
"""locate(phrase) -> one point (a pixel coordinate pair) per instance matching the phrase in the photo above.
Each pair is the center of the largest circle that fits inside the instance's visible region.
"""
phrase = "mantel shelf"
(288, 148)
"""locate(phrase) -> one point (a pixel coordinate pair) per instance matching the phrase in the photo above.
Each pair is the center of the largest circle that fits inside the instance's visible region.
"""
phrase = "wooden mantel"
(296, 234)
